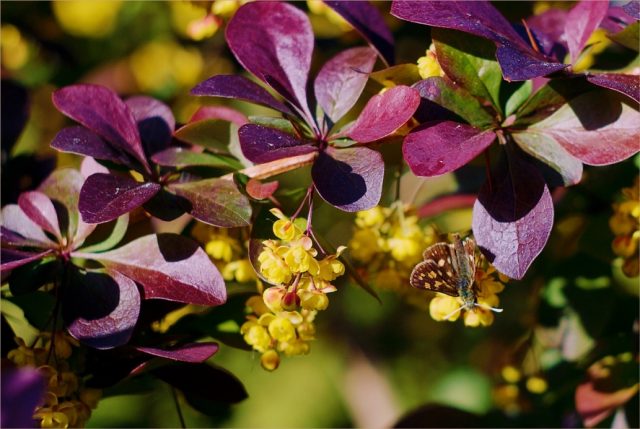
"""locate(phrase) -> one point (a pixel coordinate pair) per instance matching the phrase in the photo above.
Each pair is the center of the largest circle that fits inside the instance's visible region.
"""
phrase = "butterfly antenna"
(452, 313)
(486, 307)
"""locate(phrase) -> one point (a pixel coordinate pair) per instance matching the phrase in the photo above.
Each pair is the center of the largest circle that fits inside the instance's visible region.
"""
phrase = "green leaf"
(546, 100)
(212, 134)
(470, 62)
(180, 157)
(17, 321)
(277, 123)
(518, 97)
(628, 37)
(401, 74)
(118, 232)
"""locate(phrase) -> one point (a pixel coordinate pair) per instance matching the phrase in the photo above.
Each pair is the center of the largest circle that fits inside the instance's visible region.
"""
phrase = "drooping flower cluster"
(428, 65)
(282, 319)
(66, 402)
(625, 224)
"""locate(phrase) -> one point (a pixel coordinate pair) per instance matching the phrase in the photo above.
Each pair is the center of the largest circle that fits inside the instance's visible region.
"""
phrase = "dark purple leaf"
(349, 179)
(192, 352)
(101, 309)
(513, 216)
(22, 390)
(385, 113)
(342, 79)
(523, 63)
(369, 22)
(181, 157)
(155, 122)
(627, 84)
(217, 202)
(274, 41)
(104, 197)
(103, 112)
(239, 87)
(165, 206)
(633, 9)
(204, 381)
(439, 147)
(582, 20)
(601, 136)
(168, 266)
(12, 258)
(14, 219)
(40, 209)
(549, 30)
(82, 141)
(263, 144)
(13, 239)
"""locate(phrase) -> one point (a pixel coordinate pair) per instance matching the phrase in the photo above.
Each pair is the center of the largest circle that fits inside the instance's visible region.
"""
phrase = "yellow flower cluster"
(282, 319)
(66, 402)
(488, 284)
(428, 65)
(507, 394)
(625, 224)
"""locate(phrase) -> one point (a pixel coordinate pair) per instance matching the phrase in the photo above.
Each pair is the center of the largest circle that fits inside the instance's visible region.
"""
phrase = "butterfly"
(450, 269)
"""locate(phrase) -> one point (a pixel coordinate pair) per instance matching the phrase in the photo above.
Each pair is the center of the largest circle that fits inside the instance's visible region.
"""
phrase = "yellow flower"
(487, 283)
(330, 268)
(280, 328)
(83, 18)
(536, 385)
(62, 344)
(294, 347)
(256, 335)
(15, 48)
(272, 265)
(597, 43)
(270, 360)
(286, 230)
(442, 306)
(428, 66)
(313, 299)
(221, 246)
(300, 257)
(240, 270)
(511, 374)
(272, 298)
(625, 224)
(172, 317)
(479, 316)
(364, 245)
(370, 218)
(26, 356)
(257, 305)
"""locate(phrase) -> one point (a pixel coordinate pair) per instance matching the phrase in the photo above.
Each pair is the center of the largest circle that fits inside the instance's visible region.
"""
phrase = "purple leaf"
(101, 309)
(217, 202)
(192, 352)
(385, 113)
(369, 22)
(40, 209)
(442, 146)
(524, 64)
(12, 258)
(16, 220)
(627, 84)
(633, 9)
(513, 217)
(263, 144)
(342, 79)
(274, 41)
(238, 87)
(155, 122)
(168, 266)
(103, 112)
(104, 197)
(349, 179)
(13, 239)
(22, 390)
(582, 20)
(549, 30)
(601, 136)
(82, 141)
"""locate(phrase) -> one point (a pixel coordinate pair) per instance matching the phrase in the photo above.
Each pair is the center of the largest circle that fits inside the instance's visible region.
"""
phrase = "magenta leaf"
(215, 201)
(12, 258)
(241, 88)
(101, 308)
(260, 191)
(385, 113)
(349, 179)
(192, 352)
(369, 22)
(601, 136)
(23, 389)
(549, 30)
(519, 63)
(40, 209)
(582, 20)
(342, 79)
(513, 216)
(627, 84)
(105, 197)
(274, 41)
(633, 9)
(82, 141)
(103, 112)
(16, 220)
(155, 122)
(168, 266)
(261, 144)
(439, 147)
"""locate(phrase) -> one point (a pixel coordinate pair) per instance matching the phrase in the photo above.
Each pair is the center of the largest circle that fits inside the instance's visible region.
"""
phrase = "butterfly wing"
(470, 250)
(430, 276)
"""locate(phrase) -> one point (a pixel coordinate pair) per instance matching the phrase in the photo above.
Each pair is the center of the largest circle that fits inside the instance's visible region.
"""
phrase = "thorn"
(534, 45)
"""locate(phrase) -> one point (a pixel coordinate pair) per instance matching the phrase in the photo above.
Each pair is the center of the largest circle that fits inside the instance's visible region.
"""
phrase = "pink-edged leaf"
(101, 308)
(10, 238)
(274, 41)
(192, 352)
(241, 88)
(105, 197)
(103, 112)
(261, 144)
(155, 122)
(369, 22)
(385, 113)
(82, 141)
(40, 209)
(601, 136)
(350, 178)
(513, 217)
(219, 112)
(627, 84)
(633, 9)
(594, 405)
(215, 201)
(445, 203)
(168, 266)
(439, 147)
(260, 191)
(342, 79)
(16, 220)
(12, 258)
(582, 20)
